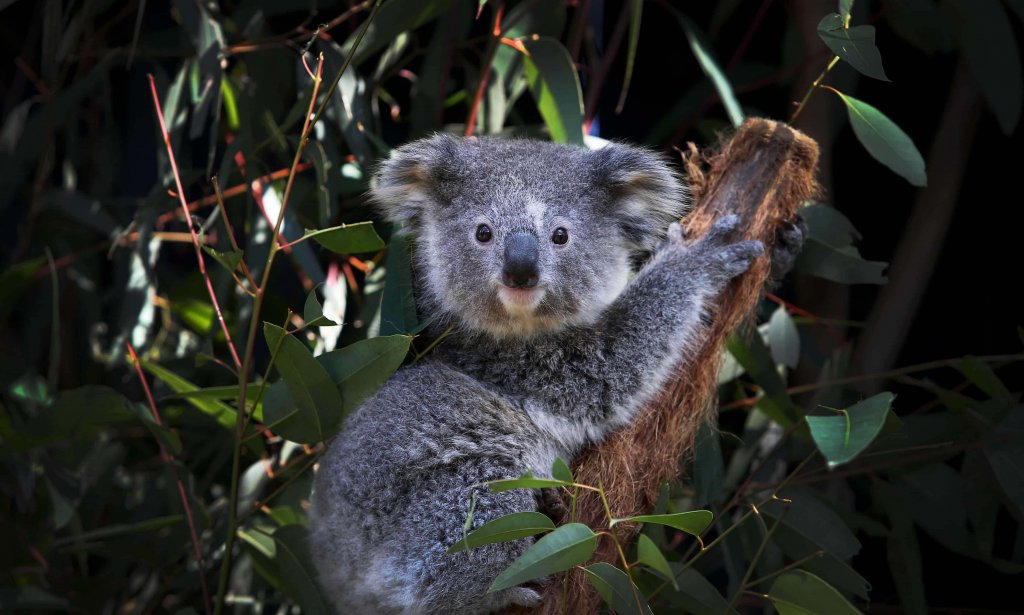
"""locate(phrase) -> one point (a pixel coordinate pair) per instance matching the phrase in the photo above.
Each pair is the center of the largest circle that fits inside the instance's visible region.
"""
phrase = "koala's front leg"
(655, 321)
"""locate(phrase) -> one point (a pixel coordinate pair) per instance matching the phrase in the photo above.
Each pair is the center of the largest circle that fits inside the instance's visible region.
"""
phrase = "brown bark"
(762, 173)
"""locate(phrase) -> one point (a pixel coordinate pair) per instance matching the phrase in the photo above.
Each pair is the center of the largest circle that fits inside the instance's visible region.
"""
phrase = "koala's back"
(393, 492)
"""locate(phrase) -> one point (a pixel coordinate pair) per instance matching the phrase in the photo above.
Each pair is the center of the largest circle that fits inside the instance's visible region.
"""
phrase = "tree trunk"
(763, 174)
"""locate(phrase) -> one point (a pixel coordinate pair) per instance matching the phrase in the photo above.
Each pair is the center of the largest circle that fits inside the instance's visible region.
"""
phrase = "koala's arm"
(654, 324)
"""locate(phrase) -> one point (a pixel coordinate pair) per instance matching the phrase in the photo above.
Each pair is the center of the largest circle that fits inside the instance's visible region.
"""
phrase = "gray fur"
(510, 388)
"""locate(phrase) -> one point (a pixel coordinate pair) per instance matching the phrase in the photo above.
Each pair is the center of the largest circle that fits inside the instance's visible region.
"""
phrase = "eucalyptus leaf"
(854, 45)
(693, 522)
(783, 338)
(209, 405)
(617, 589)
(313, 312)
(556, 89)
(348, 238)
(799, 592)
(503, 529)
(227, 260)
(360, 368)
(560, 470)
(525, 482)
(295, 567)
(844, 266)
(885, 140)
(701, 51)
(317, 400)
(648, 554)
(841, 438)
(569, 545)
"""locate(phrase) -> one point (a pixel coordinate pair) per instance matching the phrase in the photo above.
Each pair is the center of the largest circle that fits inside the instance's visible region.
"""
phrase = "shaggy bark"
(763, 174)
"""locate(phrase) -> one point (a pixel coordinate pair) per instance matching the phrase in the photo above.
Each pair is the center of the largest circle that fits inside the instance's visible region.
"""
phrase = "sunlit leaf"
(783, 338)
(504, 529)
(525, 482)
(841, 438)
(210, 405)
(701, 51)
(556, 88)
(885, 140)
(568, 546)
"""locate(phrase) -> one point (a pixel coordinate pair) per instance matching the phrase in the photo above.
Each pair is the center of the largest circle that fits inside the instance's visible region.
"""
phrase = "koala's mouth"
(520, 300)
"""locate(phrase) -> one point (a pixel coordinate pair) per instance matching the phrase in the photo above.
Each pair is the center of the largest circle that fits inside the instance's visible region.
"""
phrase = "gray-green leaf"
(348, 238)
(568, 546)
(802, 593)
(885, 140)
(693, 522)
(556, 88)
(841, 438)
(617, 589)
(503, 529)
(854, 45)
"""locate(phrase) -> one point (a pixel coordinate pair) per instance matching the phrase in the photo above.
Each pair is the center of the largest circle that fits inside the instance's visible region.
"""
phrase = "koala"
(523, 252)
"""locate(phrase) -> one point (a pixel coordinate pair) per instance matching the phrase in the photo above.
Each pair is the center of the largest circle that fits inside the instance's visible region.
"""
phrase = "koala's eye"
(483, 233)
(560, 236)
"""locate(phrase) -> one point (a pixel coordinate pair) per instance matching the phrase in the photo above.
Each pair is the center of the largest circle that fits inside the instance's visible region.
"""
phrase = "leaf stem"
(810, 90)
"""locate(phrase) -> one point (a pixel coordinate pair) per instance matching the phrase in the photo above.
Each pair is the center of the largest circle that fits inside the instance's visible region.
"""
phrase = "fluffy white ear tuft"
(407, 182)
(647, 193)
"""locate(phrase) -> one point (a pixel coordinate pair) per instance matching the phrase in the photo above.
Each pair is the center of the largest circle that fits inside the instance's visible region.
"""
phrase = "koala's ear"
(408, 182)
(646, 194)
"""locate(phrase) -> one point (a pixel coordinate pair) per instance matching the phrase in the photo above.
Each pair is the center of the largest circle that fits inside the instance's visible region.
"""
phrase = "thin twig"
(169, 460)
(810, 90)
(195, 238)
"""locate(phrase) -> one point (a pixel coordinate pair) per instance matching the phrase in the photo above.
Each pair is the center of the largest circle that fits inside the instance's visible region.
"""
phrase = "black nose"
(522, 256)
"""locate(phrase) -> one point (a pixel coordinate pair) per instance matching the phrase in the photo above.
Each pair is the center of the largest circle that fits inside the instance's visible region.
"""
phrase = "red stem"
(195, 238)
(169, 460)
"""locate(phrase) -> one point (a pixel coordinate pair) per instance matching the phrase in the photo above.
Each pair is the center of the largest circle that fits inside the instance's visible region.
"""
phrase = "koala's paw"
(789, 239)
(732, 260)
(714, 256)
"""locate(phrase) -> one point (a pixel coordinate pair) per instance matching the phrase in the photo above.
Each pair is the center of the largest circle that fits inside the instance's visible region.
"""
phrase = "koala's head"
(516, 238)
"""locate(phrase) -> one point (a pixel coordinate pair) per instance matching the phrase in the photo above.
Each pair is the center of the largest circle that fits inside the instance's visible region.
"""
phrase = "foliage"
(132, 269)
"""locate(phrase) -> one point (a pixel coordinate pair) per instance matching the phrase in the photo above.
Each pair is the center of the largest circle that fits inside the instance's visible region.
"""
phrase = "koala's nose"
(522, 258)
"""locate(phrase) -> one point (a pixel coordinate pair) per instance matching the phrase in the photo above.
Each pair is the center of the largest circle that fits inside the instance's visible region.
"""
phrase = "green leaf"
(296, 571)
(313, 312)
(902, 549)
(751, 352)
(708, 469)
(211, 406)
(991, 51)
(854, 45)
(783, 338)
(1006, 457)
(693, 522)
(347, 238)
(227, 260)
(617, 589)
(317, 401)
(843, 266)
(841, 438)
(397, 303)
(707, 63)
(568, 546)
(504, 529)
(560, 470)
(982, 376)
(829, 226)
(648, 554)
(359, 369)
(556, 88)
(636, 11)
(226, 392)
(885, 140)
(525, 482)
(393, 18)
(802, 593)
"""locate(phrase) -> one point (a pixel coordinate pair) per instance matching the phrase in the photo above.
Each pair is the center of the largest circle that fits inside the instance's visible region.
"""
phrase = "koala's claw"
(789, 239)
(737, 258)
